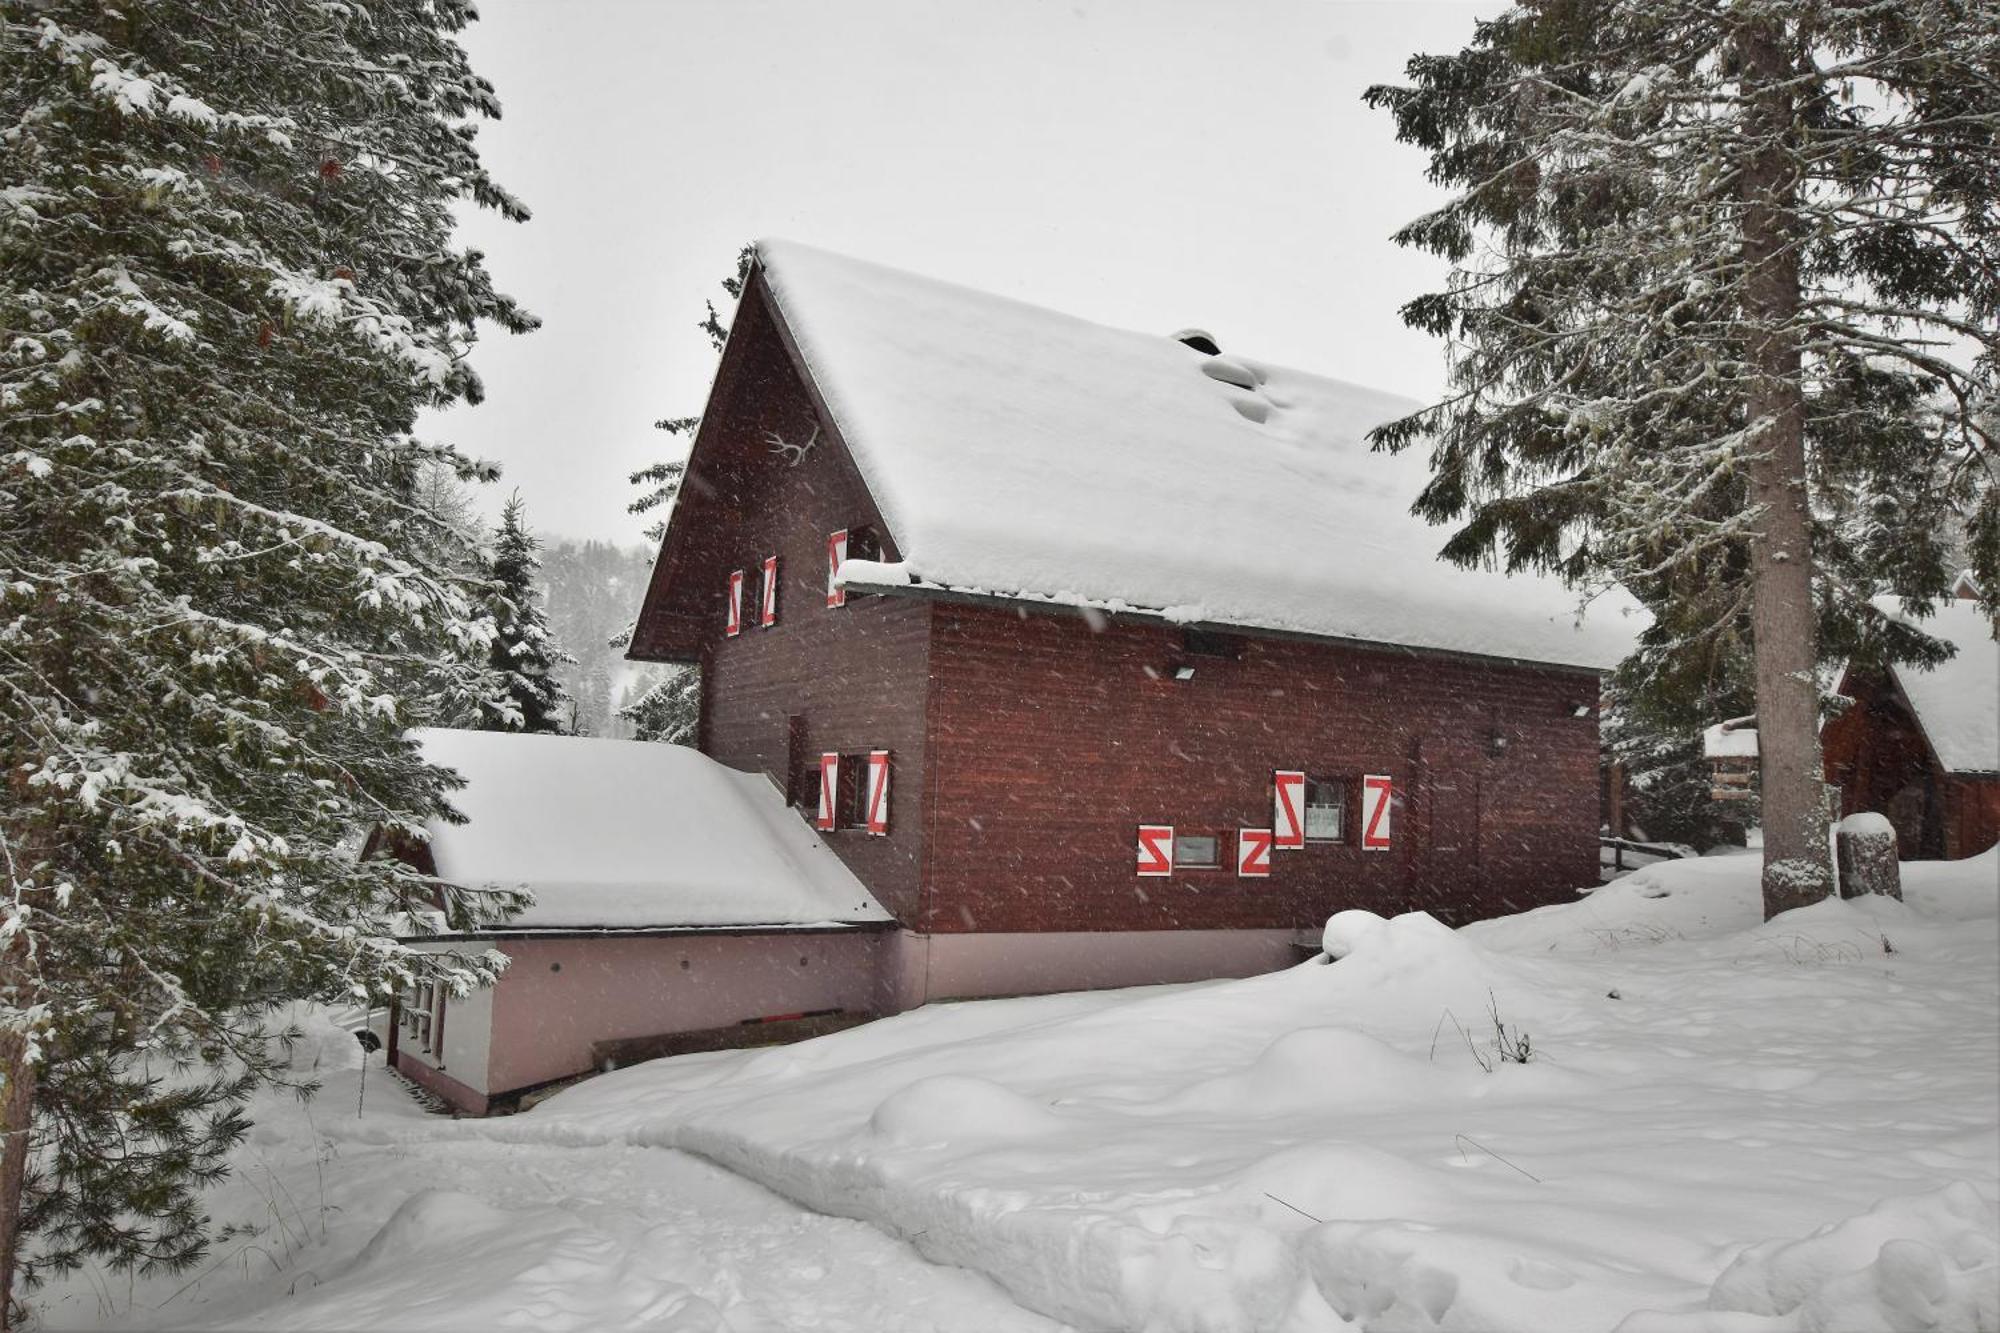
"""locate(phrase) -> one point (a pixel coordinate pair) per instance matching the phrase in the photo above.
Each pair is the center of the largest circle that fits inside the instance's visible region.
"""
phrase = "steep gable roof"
(1956, 702)
(1021, 453)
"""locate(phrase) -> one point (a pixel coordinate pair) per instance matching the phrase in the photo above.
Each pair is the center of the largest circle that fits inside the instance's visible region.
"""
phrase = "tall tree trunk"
(17, 1100)
(1798, 867)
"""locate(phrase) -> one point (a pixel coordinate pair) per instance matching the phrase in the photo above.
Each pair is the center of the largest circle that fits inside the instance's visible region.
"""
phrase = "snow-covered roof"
(632, 835)
(1019, 452)
(1957, 702)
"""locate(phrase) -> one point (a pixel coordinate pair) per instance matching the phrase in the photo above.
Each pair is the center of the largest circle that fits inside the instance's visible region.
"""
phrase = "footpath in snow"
(398, 1220)
(1722, 1126)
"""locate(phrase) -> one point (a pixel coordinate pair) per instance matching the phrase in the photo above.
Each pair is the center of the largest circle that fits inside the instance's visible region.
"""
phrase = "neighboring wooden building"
(1923, 746)
(1050, 628)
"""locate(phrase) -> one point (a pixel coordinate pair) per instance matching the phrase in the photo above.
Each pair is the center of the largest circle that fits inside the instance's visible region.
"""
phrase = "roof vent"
(1200, 340)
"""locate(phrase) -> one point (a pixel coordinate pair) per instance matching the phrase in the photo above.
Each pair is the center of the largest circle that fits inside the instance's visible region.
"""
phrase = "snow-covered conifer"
(668, 709)
(1724, 320)
(227, 287)
(523, 653)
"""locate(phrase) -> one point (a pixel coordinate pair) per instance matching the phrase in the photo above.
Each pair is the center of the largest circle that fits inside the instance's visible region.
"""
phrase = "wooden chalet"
(1036, 655)
(1102, 657)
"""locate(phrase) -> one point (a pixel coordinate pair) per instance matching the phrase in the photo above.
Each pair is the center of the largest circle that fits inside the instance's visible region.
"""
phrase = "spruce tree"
(1724, 325)
(667, 710)
(227, 288)
(524, 654)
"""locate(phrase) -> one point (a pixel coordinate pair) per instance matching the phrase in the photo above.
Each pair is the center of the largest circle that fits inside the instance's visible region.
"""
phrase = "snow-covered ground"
(1723, 1126)
(400, 1220)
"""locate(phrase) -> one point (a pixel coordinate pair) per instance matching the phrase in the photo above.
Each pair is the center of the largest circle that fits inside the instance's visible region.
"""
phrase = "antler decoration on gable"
(793, 454)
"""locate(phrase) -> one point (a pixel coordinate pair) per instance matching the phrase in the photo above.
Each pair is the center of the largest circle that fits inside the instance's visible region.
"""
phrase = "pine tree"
(523, 653)
(667, 710)
(1724, 320)
(227, 288)
(663, 479)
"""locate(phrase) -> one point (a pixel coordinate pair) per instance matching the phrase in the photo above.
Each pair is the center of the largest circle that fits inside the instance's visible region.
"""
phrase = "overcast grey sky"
(1152, 164)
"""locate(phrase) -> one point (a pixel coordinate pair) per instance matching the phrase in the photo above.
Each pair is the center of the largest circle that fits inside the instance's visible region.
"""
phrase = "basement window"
(1197, 851)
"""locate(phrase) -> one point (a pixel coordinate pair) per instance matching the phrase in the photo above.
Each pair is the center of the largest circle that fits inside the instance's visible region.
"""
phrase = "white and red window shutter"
(1253, 853)
(1288, 810)
(1377, 795)
(1156, 849)
(836, 552)
(829, 793)
(878, 792)
(735, 626)
(767, 609)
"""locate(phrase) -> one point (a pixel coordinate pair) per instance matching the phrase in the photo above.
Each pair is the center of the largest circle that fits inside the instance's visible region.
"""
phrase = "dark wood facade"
(1051, 740)
(1877, 753)
(1028, 746)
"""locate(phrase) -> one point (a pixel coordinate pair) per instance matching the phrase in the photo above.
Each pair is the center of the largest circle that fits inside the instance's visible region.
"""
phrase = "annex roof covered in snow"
(1027, 454)
(1957, 702)
(633, 835)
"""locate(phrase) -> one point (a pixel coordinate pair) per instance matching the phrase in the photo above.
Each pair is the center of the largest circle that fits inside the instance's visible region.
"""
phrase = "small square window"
(1326, 811)
(863, 544)
(1197, 851)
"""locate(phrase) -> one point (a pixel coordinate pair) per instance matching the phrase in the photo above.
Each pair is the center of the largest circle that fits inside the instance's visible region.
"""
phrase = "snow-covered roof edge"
(880, 577)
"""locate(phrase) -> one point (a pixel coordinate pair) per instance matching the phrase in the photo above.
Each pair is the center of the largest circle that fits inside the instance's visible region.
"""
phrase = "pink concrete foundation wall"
(974, 966)
(467, 1099)
(560, 996)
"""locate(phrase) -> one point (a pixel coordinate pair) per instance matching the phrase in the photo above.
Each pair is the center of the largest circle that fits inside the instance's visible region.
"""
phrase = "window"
(1197, 851)
(853, 804)
(1207, 643)
(418, 1002)
(1326, 810)
(863, 544)
(850, 790)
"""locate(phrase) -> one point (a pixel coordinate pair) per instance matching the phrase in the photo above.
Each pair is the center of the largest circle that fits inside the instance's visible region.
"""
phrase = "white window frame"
(1315, 787)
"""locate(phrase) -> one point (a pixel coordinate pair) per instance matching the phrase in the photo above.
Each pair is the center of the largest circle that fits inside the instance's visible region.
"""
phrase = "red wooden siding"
(854, 676)
(1877, 753)
(1051, 743)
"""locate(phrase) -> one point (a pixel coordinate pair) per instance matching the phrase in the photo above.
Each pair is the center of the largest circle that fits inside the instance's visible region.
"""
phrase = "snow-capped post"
(1377, 796)
(878, 792)
(1253, 853)
(829, 793)
(734, 626)
(836, 552)
(1288, 804)
(767, 605)
(1867, 855)
(1156, 850)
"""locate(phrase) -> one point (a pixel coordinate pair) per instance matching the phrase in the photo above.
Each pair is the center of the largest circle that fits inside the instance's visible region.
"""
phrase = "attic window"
(1201, 341)
(862, 544)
